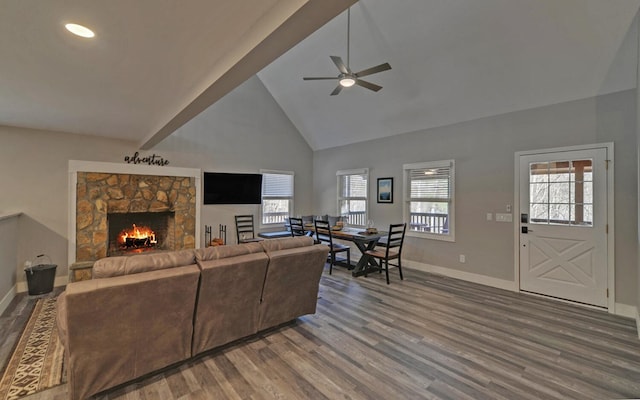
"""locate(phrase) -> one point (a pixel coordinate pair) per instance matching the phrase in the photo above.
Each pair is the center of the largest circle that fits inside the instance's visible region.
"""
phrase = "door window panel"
(561, 192)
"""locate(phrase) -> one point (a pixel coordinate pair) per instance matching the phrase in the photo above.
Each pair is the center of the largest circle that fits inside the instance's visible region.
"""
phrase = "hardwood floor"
(427, 337)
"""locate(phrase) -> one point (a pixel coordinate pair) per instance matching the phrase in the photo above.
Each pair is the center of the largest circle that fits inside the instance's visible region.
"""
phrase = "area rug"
(37, 361)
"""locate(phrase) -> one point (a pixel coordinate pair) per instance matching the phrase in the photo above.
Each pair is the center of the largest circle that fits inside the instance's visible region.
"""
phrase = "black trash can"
(40, 277)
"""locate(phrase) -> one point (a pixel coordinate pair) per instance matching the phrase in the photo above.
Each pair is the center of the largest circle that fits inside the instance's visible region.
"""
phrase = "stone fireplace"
(126, 213)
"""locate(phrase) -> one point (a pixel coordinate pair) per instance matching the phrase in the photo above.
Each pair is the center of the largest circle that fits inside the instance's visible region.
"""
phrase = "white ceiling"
(152, 65)
(155, 64)
(453, 61)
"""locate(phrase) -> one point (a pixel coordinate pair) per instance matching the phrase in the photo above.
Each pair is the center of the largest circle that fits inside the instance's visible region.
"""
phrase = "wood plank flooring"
(427, 337)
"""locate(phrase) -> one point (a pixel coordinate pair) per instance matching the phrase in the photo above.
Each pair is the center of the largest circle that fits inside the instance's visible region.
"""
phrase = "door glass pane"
(539, 172)
(588, 215)
(561, 192)
(588, 192)
(559, 213)
(539, 192)
(540, 213)
(559, 171)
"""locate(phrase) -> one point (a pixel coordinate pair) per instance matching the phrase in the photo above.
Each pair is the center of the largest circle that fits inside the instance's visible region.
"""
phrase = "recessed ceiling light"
(80, 30)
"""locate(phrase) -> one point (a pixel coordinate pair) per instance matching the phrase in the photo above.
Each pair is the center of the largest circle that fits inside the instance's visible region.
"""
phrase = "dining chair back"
(390, 248)
(244, 229)
(297, 227)
(323, 235)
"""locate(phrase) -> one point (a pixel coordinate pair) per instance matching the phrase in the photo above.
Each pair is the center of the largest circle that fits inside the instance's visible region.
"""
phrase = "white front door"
(563, 225)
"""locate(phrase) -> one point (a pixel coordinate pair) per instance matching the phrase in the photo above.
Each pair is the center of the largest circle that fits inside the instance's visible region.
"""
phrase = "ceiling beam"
(308, 18)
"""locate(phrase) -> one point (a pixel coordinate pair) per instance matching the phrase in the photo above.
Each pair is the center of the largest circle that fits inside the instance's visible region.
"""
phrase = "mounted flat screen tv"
(227, 188)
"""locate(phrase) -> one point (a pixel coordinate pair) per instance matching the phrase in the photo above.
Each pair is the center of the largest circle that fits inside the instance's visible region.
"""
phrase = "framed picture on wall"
(385, 190)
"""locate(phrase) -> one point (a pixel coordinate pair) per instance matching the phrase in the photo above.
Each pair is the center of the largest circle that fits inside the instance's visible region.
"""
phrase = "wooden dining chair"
(390, 248)
(297, 227)
(244, 229)
(323, 235)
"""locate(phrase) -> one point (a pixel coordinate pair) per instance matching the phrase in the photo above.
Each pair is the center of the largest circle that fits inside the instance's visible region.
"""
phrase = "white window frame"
(291, 198)
(339, 175)
(450, 236)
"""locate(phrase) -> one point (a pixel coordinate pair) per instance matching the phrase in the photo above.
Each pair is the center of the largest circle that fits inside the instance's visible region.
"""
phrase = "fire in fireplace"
(140, 232)
(137, 237)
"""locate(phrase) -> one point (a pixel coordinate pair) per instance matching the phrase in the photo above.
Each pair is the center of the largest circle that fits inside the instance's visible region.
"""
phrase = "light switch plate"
(502, 217)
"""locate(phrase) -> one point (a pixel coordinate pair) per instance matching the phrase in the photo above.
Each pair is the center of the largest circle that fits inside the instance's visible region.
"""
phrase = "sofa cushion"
(291, 285)
(307, 219)
(220, 252)
(271, 245)
(126, 265)
(228, 300)
(109, 266)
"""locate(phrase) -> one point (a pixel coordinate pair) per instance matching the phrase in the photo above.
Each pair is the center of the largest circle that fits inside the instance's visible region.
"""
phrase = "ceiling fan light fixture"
(348, 78)
(80, 30)
(347, 81)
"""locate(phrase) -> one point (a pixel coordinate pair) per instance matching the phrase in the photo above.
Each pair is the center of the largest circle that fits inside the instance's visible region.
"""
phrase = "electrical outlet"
(463, 259)
(489, 216)
(508, 208)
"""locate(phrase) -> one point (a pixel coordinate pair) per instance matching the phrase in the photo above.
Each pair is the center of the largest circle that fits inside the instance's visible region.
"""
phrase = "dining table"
(364, 241)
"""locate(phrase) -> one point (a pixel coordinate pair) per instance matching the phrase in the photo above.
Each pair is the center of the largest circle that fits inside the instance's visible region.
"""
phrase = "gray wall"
(638, 173)
(244, 132)
(8, 256)
(484, 153)
(34, 180)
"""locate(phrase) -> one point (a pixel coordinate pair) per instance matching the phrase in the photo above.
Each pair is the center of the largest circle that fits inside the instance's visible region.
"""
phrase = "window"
(429, 199)
(352, 195)
(277, 196)
(561, 192)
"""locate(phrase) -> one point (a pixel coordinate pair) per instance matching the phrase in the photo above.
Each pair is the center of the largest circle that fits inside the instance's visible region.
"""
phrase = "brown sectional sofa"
(146, 312)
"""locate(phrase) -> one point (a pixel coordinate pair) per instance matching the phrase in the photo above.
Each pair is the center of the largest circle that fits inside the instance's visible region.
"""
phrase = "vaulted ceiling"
(155, 64)
(453, 61)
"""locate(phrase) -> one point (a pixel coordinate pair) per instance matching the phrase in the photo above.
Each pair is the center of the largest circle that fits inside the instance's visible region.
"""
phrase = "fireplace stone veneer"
(100, 194)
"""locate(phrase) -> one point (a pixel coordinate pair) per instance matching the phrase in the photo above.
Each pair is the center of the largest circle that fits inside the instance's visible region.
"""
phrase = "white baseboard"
(625, 310)
(59, 281)
(6, 300)
(465, 276)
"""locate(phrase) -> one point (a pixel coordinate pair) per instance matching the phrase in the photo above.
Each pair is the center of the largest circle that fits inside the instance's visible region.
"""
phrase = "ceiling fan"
(348, 78)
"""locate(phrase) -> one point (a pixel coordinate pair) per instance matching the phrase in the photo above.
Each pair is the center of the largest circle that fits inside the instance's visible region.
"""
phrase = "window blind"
(353, 186)
(430, 183)
(277, 185)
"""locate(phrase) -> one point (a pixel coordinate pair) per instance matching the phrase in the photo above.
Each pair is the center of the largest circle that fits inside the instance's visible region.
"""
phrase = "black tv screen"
(226, 188)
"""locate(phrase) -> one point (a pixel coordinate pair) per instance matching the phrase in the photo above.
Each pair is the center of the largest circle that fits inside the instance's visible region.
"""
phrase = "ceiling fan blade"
(368, 85)
(337, 90)
(374, 70)
(340, 64)
(319, 78)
